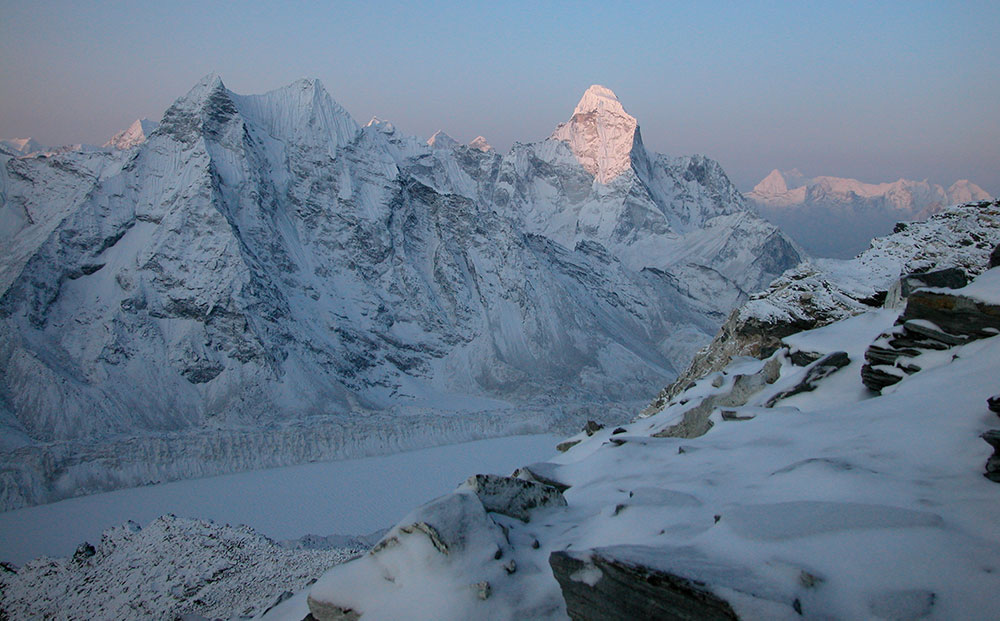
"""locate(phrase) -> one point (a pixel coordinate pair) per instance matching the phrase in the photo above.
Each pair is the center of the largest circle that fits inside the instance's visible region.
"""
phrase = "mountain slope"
(262, 281)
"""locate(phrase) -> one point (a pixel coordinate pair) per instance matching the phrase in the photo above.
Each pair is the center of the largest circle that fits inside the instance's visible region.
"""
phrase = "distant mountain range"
(837, 217)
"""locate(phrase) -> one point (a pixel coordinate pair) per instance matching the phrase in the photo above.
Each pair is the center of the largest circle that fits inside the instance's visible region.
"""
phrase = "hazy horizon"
(870, 92)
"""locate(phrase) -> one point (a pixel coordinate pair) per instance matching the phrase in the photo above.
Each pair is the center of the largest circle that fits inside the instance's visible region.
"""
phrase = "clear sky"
(872, 90)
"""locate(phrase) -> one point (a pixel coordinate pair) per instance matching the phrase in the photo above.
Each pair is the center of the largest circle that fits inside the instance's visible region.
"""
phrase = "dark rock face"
(592, 427)
(624, 590)
(954, 313)
(995, 257)
(948, 278)
(993, 464)
(931, 321)
(994, 403)
(822, 368)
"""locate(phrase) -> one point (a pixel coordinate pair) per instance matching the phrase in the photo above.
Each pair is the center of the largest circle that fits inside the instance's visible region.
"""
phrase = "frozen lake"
(352, 497)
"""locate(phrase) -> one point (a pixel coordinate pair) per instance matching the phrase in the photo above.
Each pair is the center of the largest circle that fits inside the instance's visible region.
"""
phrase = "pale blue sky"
(875, 91)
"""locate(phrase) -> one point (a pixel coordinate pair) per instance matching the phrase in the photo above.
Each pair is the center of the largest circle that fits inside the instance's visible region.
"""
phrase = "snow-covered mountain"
(263, 282)
(21, 146)
(135, 134)
(172, 568)
(837, 217)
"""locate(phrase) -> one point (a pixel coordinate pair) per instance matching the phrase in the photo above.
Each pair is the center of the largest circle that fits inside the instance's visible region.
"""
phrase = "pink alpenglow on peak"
(481, 144)
(601, 134)
(135, 135)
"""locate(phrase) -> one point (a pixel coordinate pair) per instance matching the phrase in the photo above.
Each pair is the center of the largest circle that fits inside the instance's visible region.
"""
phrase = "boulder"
(993, 403)
(544, 473)
(640, 582)
(452, 542)
(954, 314)
(610, 589)
(513, 497)
(995, 257)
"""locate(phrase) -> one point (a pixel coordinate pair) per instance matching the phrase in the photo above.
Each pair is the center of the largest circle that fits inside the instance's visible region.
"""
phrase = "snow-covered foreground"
(344, 497)
(837, 503)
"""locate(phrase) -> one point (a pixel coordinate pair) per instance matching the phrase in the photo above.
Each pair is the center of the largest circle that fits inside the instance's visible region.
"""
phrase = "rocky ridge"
(821, 291)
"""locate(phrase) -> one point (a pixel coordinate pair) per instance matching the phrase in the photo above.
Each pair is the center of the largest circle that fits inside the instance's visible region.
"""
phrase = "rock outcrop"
(737, 391)
(992, 437)
(948, 278)
(820, 292)
(933, 320)
(599, 587)
(513, 497)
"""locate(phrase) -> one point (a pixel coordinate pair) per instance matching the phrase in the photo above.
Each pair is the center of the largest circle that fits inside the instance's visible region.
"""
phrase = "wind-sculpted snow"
(820, 503)
(262, 262)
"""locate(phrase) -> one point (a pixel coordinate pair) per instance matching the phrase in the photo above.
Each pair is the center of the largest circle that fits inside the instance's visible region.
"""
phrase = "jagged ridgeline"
(260, 281)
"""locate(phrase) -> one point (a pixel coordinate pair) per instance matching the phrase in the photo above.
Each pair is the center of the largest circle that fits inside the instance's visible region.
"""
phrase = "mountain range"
(258, 280)
(837, 217)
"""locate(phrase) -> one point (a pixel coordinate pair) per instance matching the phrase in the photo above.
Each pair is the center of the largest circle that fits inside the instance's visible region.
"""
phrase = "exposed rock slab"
(947, 278)
(993, 464)
(822, 368)
(637, 582)
(933, 320)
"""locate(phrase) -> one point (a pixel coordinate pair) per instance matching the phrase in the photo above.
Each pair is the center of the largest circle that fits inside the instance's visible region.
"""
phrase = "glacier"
(258, 280)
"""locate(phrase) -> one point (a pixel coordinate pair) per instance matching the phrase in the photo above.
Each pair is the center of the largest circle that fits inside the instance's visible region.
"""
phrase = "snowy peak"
(21, 146)
(381, 125)
(480, 143)
(964, 191)
(837, 216)
(779, 189)
(601, 134)
(301, 113)
(136, 134)
(599, 98)
(772, 185)
(441, 140)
